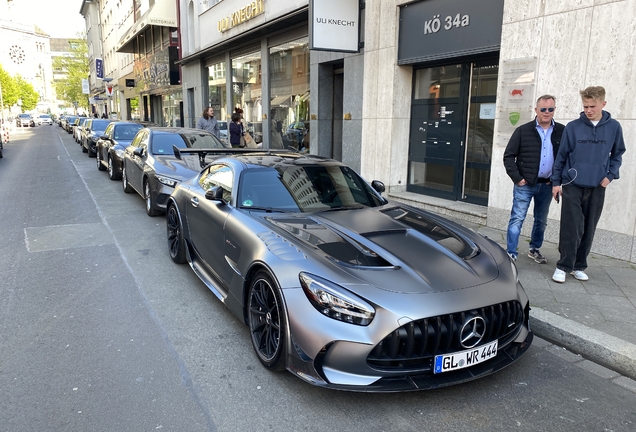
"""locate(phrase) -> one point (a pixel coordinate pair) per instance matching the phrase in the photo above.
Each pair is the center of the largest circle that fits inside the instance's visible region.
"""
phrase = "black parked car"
(151, 168)
(92, 131)
(109, 148)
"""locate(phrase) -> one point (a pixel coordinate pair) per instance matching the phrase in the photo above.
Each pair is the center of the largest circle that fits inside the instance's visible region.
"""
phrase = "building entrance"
(451, 133)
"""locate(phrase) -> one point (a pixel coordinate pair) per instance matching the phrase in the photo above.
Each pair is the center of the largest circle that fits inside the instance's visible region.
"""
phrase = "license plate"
(463, 359)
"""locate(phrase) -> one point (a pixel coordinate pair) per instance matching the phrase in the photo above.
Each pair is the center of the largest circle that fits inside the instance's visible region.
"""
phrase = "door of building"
(452, 118)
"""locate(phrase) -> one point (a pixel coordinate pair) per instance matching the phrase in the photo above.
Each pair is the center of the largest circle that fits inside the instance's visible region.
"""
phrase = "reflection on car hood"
(373, 245)
(183, 169)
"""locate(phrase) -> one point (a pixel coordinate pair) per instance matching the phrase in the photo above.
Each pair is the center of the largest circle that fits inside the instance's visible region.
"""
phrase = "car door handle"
(194, 201)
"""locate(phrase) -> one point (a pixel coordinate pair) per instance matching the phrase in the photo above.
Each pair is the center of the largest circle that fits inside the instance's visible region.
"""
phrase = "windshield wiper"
(345, 208)
(268, 209)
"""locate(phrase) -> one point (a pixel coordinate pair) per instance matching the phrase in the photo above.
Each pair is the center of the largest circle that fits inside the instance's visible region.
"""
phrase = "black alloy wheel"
(176, 243)
(111, 169)
(266, 320)
(124, 181)
(100, 166)
(150, 204)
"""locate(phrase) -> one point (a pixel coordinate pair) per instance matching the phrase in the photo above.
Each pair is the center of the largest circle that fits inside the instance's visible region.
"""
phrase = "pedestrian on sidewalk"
(528, 159)
(588, 160)
(208, 122)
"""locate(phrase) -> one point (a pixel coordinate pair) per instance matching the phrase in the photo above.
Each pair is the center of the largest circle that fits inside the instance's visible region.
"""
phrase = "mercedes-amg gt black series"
(340, 286)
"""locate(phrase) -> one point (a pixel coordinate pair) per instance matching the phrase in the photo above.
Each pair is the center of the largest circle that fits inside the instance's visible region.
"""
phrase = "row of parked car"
(140, 154)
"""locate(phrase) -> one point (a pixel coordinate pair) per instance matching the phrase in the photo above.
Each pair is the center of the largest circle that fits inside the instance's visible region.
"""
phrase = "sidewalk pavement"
(596, 319)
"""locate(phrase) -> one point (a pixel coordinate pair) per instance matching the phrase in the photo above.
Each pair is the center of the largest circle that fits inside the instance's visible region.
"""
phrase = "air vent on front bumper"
(413, 346)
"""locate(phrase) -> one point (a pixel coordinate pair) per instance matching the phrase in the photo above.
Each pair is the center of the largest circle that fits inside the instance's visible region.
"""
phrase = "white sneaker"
(558, 276)
(579, 275)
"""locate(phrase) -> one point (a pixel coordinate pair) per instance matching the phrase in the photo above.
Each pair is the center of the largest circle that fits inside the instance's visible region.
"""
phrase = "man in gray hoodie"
(589, 158)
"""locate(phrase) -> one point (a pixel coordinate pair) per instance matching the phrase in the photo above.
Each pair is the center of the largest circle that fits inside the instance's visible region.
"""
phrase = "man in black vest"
(528, 159)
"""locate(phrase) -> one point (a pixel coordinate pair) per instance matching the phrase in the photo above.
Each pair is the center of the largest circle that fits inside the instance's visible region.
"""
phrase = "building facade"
(252, 55)
(25, 50)
(429, 100)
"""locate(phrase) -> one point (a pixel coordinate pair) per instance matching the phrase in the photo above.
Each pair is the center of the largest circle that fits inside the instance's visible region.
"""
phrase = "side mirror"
(104, 137)
(138, 152)
(215, 194)
(378, 186)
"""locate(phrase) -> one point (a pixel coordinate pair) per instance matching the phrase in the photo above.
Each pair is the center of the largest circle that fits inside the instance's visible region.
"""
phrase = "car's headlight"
(166, 180)
(119, 153)
(335, 301)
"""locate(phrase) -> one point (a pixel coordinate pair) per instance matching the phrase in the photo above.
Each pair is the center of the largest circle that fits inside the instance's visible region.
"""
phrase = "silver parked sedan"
(341, 287)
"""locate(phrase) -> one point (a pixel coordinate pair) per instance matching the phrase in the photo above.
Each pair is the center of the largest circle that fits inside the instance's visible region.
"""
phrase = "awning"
(163, 13)
(280, 101)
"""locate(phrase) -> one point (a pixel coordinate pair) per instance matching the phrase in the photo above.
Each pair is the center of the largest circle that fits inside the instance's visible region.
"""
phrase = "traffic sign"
(109, 90)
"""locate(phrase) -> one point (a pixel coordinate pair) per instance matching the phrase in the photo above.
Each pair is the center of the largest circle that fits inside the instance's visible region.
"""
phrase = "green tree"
(76, 68)
(10, 94)
(28, 95)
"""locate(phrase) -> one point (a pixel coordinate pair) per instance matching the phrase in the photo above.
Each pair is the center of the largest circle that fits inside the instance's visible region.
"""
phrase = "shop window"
(289, 91)
(171, 113)
(438, 82)
(156, 37)
(247, 90)
(217, 95)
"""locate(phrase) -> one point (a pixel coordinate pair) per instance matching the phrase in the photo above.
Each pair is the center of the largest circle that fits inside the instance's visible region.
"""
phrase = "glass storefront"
(289, 91)
(247, 90)
(217, 94)
(171, 109)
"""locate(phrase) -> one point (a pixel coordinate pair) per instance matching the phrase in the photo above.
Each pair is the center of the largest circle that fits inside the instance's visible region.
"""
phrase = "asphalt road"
(100, 331)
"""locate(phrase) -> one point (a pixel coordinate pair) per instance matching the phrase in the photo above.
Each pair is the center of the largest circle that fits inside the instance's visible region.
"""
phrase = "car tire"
(176, 242)
(266, 321)
(124, 181)
(84, 149)
(100, 165)
(111, 170)
(150, 204)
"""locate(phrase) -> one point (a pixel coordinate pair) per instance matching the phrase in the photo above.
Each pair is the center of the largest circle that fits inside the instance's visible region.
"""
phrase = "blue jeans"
(541, 193)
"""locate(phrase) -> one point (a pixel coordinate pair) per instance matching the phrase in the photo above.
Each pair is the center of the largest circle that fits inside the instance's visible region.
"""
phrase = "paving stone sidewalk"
(596, 319)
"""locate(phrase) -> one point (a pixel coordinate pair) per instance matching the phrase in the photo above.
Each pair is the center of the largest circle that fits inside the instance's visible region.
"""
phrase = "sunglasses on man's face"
(546, 109)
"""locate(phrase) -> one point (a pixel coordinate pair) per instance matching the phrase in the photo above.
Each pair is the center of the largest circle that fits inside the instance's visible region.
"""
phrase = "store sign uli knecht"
(334, 25)
(242, 15)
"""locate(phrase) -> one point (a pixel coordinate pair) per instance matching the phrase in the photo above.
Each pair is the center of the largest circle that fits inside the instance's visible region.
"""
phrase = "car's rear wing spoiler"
(203, 153)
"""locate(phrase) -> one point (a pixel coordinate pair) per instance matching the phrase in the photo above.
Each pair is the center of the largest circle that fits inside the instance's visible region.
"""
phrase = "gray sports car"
(343, 288)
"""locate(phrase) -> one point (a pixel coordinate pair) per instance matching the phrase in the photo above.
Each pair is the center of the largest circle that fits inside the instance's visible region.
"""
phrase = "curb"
(606, 350)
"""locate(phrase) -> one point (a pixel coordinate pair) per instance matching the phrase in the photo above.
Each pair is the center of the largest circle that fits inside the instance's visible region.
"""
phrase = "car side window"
(109, 130)
(138, 138)
(218, 175)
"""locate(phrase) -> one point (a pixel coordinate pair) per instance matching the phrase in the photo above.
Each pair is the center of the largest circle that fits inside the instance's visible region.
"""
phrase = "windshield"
(99, 125)
(126, 132)
(162, 142)
(305, 189)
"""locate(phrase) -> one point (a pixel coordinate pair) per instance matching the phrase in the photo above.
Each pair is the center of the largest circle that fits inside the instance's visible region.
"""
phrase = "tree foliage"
(76, 68)
(28, 95)
(10, 93)
(16, 89)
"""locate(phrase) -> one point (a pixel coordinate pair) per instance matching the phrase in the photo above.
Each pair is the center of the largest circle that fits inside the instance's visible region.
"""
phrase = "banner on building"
(99, 68)
(85, 87)
(334, 25)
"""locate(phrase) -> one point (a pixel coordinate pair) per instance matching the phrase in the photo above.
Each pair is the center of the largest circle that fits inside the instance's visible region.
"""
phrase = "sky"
(58, 18)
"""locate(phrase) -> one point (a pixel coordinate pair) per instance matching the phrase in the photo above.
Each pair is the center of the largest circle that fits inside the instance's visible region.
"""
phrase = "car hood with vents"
(394, 244)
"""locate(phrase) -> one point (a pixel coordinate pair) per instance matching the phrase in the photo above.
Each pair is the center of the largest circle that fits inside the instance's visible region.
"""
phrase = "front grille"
(413, 346)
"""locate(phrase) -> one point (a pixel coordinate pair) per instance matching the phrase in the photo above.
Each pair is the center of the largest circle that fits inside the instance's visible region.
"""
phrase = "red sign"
(109, 90)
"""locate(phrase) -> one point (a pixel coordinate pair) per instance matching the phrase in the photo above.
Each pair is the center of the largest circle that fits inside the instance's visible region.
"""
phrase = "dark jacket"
(236, 132)
(523, 152)
(589, 153)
